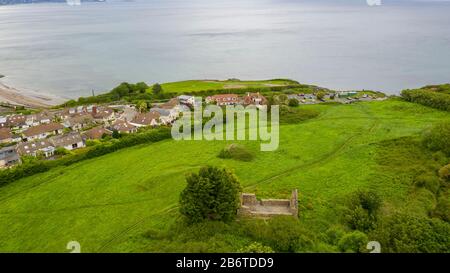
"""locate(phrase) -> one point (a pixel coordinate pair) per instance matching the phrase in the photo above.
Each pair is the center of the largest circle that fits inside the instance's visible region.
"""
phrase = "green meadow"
(201, 85)
(113, 202)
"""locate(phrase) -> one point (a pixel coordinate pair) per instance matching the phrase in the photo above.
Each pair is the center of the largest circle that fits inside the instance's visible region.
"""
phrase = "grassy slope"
(200, 85)
(105, 203)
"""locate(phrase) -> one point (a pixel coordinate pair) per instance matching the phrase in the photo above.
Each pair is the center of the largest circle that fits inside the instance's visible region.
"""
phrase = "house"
(5, 135)
(33, 148)
(8, 157)
(254, 99)
(36, 119)
(17, 122)
(187, 100)
(167, 116)
(96, 133)
(79, 122)
(68, 141)
(3, 121)
(151, 118)
(223, 99)
(42, 131)
(171, 104)
(123, 127)
(103, 115)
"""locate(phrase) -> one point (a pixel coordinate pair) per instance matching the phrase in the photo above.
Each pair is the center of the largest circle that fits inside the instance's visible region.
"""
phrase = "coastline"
(29, 99)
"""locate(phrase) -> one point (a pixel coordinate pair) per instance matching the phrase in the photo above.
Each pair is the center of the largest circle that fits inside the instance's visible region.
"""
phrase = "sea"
(76, 50)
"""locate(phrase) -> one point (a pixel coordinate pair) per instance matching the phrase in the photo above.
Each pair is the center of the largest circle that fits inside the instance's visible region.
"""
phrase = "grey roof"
(65, 140)
(162, 112)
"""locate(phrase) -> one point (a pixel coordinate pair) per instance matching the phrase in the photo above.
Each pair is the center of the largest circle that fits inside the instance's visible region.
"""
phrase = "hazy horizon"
(68, 51)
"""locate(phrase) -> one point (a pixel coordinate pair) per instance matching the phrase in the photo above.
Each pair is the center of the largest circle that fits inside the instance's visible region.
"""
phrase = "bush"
(362, 210)
(282, 233)
(256, 247)
(442, 210)
(428, 181)
(293, 103)
(237, 152)
(428, 97)
(212, 194)
(355, 241)
(437, 138)
(334, 234)
(407, 233)
(444, 173)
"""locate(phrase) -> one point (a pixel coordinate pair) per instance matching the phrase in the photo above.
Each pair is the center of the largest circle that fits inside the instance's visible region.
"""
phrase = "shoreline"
(29, 99)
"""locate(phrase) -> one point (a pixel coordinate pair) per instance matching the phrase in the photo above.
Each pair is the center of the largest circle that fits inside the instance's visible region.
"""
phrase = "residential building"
(96, 133)
(223, 99)
(151, 118)
(103, 115)
(123, 127)
(42, 131)
(8, 157)
(70, 141)
(187, 100)
(5, 135)
(33, 148)
(254, 99)
(79, 122)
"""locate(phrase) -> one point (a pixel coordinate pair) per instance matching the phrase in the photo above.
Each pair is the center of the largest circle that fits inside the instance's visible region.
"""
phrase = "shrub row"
(429, 98)
(28, 169)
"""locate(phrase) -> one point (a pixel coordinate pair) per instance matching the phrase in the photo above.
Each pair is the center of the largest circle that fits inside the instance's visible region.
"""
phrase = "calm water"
(342, 44)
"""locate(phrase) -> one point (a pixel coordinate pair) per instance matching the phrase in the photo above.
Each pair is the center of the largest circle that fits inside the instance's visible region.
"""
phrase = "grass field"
(201, 85)
(107, 203)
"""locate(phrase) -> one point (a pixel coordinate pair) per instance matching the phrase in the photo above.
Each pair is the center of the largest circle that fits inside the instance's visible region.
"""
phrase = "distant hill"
(13, 2)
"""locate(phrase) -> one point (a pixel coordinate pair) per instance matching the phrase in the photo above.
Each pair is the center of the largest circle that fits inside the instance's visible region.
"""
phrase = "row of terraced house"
(43, 133)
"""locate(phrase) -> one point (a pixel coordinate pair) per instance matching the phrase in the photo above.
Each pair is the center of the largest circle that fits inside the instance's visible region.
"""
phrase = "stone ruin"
(250, 206)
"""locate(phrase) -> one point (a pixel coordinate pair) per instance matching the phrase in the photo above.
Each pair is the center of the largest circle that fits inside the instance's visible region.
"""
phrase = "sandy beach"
(26, 98)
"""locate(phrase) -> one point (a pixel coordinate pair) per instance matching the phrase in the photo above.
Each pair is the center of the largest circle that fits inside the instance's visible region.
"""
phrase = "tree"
(256, 247)
(362, 210)
(293, 103)
(142, 106)
(212, 194)
(157, 89)
(408, 233)
(355, 241)
(320, 95)
(141, 87)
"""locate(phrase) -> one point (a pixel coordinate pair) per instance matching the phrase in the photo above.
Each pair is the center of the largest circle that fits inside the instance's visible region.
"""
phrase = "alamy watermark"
(237, 123)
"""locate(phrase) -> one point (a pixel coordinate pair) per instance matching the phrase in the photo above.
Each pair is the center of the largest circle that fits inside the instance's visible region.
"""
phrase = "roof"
(43, 128)
(162, 112)
(65, 140)
(5, 133)
(185, 97)
(26, 148)
(81, 119)
(15, 120)
(103, 113)
(96, 133)
(223, 96)
(170, 104)
(251, 98)
(123, 126)
(146, 118)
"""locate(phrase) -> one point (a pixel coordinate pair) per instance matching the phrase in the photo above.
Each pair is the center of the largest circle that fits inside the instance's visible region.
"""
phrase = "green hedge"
(28, 169)
(438, 100)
